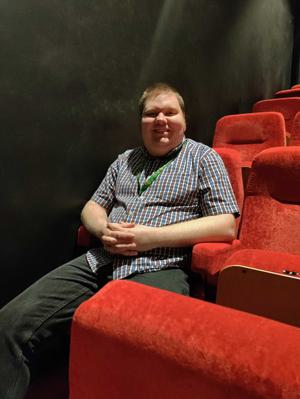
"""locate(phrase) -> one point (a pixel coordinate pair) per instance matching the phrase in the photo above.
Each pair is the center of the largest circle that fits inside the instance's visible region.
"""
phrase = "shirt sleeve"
(105, 193)
(216, 194)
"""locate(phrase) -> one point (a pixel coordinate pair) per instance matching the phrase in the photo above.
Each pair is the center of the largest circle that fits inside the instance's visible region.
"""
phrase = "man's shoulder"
(132, 152)
(198, 149)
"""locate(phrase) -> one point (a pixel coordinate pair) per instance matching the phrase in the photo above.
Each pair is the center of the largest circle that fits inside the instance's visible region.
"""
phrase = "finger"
(114, 226)
(119, 234)
(130, 253)
(119, 226)
(109, 240)
(127, 225)
(131, 246)
(122, 236)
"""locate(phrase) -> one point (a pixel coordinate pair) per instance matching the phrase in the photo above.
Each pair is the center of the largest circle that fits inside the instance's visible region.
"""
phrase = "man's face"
(163, 124)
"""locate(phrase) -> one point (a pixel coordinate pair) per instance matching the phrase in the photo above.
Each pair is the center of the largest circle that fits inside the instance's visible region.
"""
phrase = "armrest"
(130, 339)
(86, 239)
(272, 261)
(208, 258)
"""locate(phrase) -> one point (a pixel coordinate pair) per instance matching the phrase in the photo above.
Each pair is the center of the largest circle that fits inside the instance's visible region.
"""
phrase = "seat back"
(288, 93)
(232, 162)
(288, 107)
(271, 214)
(250, 133)
(295, 133)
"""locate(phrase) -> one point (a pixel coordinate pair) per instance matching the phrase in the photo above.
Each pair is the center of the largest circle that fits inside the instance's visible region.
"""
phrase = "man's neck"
(168, 154)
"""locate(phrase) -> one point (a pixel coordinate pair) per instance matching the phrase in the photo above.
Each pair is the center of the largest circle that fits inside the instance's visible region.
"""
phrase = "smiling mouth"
(161, 131)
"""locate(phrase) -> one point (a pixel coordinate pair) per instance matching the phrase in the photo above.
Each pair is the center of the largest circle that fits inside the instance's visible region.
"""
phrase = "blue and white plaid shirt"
(193, 185)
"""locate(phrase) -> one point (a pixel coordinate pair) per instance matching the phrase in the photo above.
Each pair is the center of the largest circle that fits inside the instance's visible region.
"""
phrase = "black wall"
(70, 76)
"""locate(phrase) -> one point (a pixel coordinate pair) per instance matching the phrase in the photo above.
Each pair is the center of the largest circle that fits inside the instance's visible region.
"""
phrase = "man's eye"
(170, 113)
(150, 114)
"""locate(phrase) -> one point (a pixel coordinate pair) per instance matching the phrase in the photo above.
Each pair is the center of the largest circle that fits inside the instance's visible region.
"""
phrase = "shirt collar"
(171, 154)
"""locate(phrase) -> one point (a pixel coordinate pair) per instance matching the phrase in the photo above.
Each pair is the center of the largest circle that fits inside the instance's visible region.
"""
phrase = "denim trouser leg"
(38, 317)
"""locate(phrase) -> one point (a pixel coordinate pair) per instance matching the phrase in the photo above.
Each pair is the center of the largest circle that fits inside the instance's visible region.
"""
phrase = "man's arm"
(94, 218)
(209, 228)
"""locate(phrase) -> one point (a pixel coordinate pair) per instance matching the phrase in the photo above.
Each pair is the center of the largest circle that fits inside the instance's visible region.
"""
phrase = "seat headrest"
(276, 173)
(250, 128)
(288, 106)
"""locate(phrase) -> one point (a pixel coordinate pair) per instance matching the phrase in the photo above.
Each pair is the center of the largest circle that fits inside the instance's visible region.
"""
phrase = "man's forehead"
(165, 99)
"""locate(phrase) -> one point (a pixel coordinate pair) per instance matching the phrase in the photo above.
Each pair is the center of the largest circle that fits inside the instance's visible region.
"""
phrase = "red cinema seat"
(295, 133)
(130, 341)
(288, 93)
(269, 233)
(297, 86)
(232, 161)
(249, 134)
(84, 238)
(287, 106)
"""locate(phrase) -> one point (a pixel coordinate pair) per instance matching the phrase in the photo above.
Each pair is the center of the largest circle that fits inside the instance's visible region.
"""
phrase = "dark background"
(71, 73)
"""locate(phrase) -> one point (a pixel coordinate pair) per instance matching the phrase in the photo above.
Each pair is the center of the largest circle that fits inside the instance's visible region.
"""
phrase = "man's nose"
(160, 117)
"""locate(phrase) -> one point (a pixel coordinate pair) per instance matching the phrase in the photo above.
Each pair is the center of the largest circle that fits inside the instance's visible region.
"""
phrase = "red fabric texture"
(271, 215)
(232, 162)
(265, 260)
(295, 133)
(250, 133)
(83, 237)
(288, 93)
(297, 86)
(133, 341)
(273, 202)
(287, 106)
(208, 258)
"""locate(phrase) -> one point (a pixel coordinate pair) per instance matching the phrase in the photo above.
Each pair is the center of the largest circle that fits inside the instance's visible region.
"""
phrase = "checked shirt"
(194, 184)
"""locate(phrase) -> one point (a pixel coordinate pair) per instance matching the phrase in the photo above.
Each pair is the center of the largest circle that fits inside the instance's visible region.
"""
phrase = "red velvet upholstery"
(265, 260)
(271, 218)
(297, 86)
(232, 162)
(288, 93)
(133, 341)
(250, 133)
(84, 239)
(287, 106)
(295, 134)
(272, 215)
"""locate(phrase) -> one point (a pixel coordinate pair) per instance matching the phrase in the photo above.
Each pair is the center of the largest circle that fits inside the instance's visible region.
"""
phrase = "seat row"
(135, 341)
(263, 127)
(273, 122)
(268, 228)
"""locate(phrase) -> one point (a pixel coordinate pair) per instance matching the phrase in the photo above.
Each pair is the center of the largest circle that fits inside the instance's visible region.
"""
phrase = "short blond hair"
(158, 88)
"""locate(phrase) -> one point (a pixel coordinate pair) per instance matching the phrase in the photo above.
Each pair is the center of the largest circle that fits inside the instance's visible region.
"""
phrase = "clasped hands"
(128, 239)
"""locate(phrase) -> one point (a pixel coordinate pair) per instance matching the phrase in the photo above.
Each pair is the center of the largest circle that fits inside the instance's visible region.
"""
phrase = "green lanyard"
(156, 173)
(152, 177)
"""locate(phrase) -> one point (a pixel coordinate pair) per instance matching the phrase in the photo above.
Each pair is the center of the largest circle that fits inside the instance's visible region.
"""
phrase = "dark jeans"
(37, 322)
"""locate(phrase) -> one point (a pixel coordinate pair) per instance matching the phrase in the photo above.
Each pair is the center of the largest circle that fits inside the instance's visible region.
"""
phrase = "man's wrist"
(157, 237)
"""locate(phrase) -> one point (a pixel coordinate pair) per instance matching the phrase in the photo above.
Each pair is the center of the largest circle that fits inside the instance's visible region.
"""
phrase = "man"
(154, 203)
